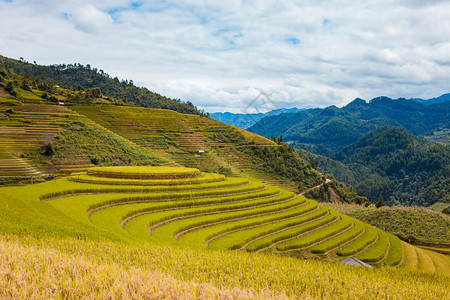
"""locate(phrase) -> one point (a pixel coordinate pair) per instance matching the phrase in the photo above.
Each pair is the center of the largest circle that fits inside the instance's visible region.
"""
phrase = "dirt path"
(314, 187)
(334, 197)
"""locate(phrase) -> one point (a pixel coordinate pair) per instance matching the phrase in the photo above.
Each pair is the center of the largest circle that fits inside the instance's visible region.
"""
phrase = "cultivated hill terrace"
(183, 207)
(154, 195)
(49, 132)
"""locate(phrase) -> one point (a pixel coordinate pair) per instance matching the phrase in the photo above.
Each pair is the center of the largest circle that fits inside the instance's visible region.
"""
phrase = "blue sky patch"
(136, 4)
(293, 41)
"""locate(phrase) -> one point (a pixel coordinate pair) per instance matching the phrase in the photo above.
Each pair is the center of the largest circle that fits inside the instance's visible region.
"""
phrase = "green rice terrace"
(182, 207)
(38, 139)
(189, 140)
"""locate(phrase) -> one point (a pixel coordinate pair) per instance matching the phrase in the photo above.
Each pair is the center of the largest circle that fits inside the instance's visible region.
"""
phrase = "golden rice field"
(172, 238)
(70, 268)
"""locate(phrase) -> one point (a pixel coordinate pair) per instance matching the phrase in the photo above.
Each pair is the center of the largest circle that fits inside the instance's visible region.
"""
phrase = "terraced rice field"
(176, 136)
(26, 128)
(217, 212)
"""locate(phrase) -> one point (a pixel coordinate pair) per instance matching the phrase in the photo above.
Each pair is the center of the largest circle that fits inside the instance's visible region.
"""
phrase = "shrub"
(380, 203)
(224, 170)
(95, 160)
(48, 149)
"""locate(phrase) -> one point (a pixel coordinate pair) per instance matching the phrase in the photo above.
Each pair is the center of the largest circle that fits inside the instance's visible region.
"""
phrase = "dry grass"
(425, 261)
(30, 273)
(410, 261)
(49, 268)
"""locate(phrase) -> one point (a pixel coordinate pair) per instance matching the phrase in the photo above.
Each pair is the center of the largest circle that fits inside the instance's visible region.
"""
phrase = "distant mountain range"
(244, 121)
(442, 98)
(333, 128)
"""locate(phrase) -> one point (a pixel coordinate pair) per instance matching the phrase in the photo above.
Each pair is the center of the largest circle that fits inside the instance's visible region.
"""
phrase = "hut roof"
(354, 262)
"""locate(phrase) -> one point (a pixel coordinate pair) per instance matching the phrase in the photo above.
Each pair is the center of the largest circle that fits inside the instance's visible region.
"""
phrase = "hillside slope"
(416, 225)
(223, 148)
(392, 164)
(55, 138)
(184, 208)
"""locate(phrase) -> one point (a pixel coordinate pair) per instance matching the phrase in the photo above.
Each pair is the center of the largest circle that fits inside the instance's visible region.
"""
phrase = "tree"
(280, 139)
(312, 162)
(10, 89)
(48, 149)
(380, 203)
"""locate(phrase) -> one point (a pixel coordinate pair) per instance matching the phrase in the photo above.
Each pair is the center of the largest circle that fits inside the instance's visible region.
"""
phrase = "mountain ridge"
(336, 127)
(244, 121)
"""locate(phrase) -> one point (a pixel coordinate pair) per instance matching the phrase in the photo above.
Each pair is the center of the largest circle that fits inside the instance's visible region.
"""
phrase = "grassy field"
(415, 225)
(167, 234)
(72, 269)
(213, 211)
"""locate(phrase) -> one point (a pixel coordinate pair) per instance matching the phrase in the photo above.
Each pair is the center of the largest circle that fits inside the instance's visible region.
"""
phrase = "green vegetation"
(144, 172)
(204, 178)
(84, 142)
(377, 252)
(341, 225)
(414, 225)
(334, 191)
(41, 139)
(395, 254)
(215, 212)
(261, 237)
(358, 145)
(88, 84)
(335, 242)
(370, 236)
(226, 149)
(284, 161)
(445, 251)
(332, 128)
(390, 163)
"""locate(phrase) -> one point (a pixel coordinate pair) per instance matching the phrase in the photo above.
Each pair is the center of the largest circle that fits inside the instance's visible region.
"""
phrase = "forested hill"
(79, 77)
(392, 164)
(335, 127)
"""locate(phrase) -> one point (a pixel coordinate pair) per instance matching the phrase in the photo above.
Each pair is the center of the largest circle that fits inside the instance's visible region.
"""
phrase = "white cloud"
(221, 54)
(88, 18)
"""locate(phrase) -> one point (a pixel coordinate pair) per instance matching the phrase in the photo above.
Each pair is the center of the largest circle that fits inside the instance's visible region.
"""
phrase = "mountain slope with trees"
(392, 164)
(80, 78)
(334, 128)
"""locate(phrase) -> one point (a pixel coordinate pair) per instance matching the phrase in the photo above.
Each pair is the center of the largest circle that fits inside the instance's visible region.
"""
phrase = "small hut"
(354, 262)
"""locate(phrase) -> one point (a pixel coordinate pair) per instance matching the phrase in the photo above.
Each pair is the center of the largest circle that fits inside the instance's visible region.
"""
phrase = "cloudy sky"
(220, 55)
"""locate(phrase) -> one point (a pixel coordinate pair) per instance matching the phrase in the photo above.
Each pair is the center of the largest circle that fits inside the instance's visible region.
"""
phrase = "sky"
(222, 55)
